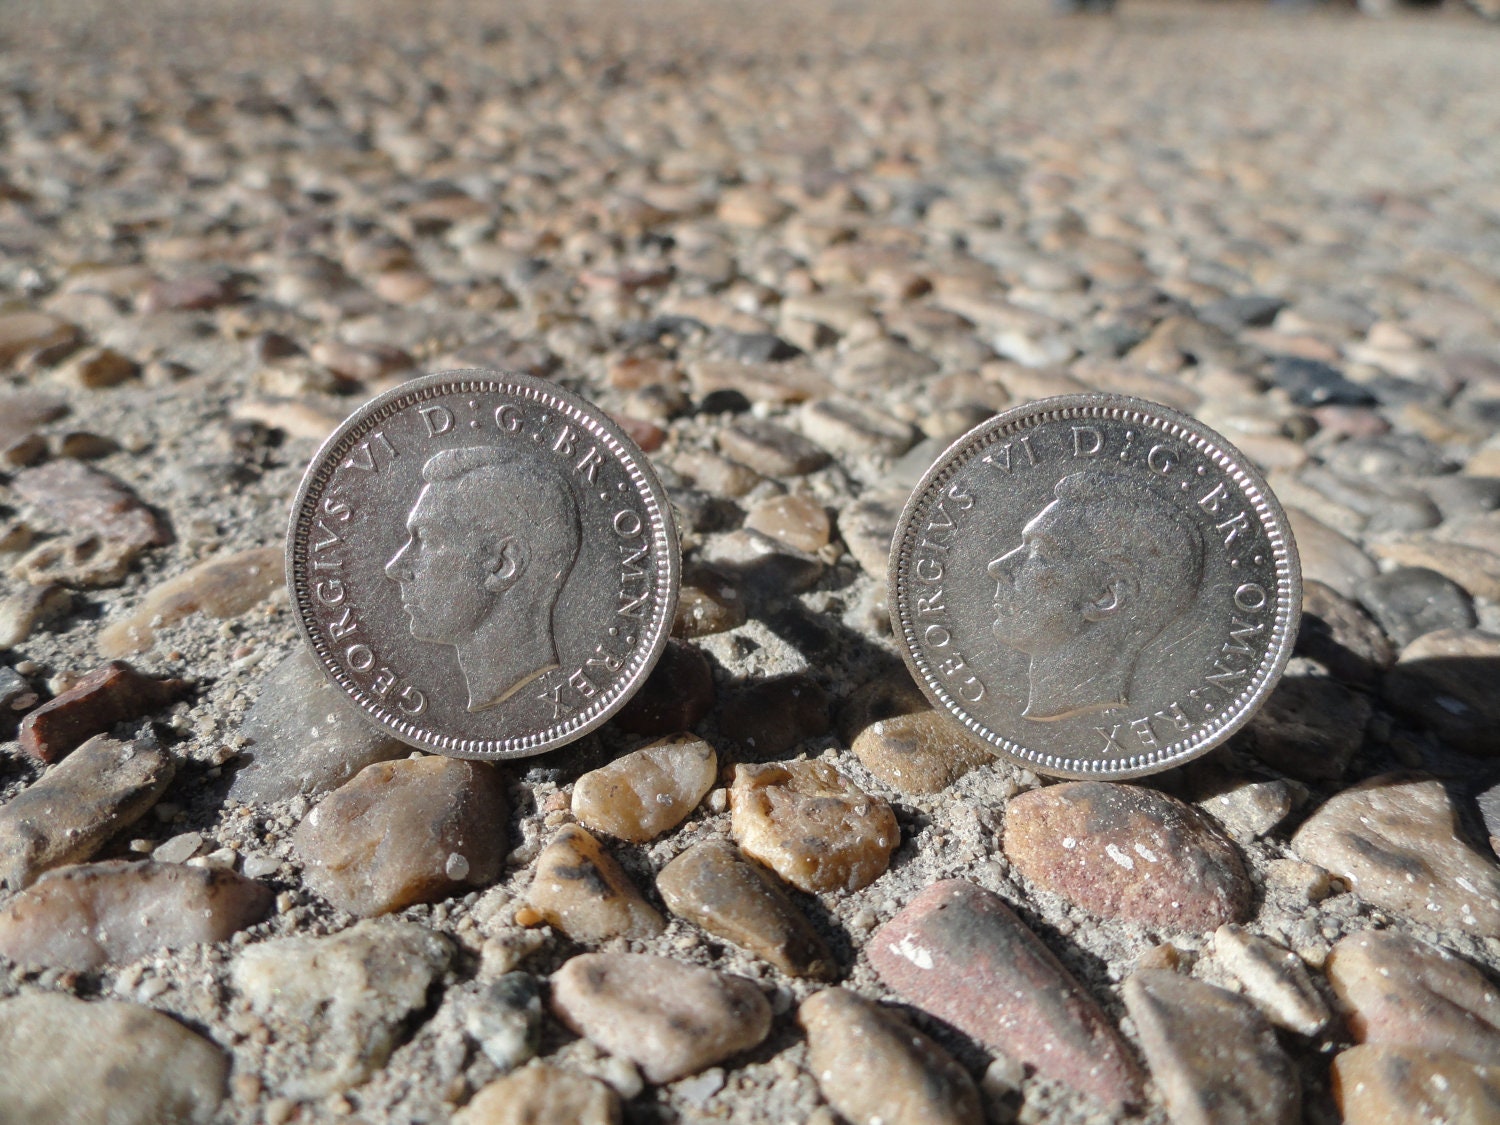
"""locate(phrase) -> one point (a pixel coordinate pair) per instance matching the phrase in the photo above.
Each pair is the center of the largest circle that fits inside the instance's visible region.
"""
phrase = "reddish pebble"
(647, 435)
(108, 695)
(186, 294)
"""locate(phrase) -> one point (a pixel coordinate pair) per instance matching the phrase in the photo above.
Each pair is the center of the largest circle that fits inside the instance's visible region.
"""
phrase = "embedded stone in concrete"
(1384, 1085)
(647, 792)
(920, 753)
(541, 1093)
(1274, 979)
(110, 694)
(1445, 681)
(580, 889)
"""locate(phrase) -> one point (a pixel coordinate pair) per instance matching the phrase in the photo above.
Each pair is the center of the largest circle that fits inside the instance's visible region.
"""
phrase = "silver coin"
(484, 563)
(1095, 585)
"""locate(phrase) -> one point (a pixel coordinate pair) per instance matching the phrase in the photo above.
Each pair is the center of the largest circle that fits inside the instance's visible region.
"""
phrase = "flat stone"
(1127, 853)
(140, 1067)
(1474, 569)
(768, 566)
(715, 886)
(1410, 602)
(709, 602)
(1250, 809)
(303, 736)
(811, 825)
(349, 994)
(416, 830)
(1274, 979)
(105, 526)
(222, 587)
(677, 694)
(871, 1065)
(959, 953)
(844, 426)
(1446, 682)
(1380, 1085)
(1395, 990)
(1341, 636)
(16, 696)
(582, 891)
(95, 368)
(23, 611)
(110, 694)
(920, 753)
(867, 527)
(542, 1093)
(647, 792)
(1394, 839)
(187, 294)
(777, 384)
(798, 521)
(772, 717)
(1311, 383)
(22, 413)
(1213, 1055)
(360, 364)
(1328, 556)
(668, 1018)
(96, 914)
(770, 448)
(1310, 727)
(25, 332)
(76, 806)
(505, 1019)
(885, 697)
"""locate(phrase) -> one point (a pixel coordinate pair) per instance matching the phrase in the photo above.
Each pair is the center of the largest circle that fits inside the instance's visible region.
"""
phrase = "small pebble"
(1410, 602)
(771, 449)
(798, 521)
(1252, 809)
(920, 753)
(1445, 681)
(505, 1019)
(811, 825)
(108, 695)
(581, 890)
(1383, 1085)
(541, 1093)
(647, 792)
(1273, 978)
(775, 716)
(676, 695)
(1309, 728)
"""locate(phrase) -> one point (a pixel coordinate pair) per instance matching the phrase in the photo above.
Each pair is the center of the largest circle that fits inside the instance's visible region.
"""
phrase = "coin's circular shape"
(1095, 585)
(483, 563)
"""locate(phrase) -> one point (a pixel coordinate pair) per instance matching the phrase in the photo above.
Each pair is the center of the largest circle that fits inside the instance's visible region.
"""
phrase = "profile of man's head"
(1100, 571)
(490, 543)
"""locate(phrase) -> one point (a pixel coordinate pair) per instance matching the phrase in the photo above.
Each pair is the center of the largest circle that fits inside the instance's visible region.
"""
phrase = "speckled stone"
(854, 428)
(416, 830)
(958, 952)
(648, 791)
(1393, 839)
(1129, 853)
(1412, 601)
(798, 521)
(811, 825)
(1309, 728)
(714, 885)
(771, 449)
(1395, 990)
(875, 1069)
(1383, 1085)
(1250, 809)
(105, 525)
(1213, 1055)
(668, 1018)
(538, 1094)
(96, 914)
(1341, 636)
(103, 1062)
(580, 889)
(920, 753)
(709, 602)
(1446, 680)
(75, 806)
(867, 525)
(1274, 979)
(348, 993)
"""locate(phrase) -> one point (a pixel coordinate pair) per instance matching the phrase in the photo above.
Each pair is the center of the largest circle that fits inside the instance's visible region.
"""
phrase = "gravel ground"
(253, 217)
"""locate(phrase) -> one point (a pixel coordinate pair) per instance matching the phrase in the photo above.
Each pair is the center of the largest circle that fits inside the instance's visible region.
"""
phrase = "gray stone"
(867, 525)
(1213, 1055)
(1410, 602)
(303, 736)
(1446, 682)
(505, 1019)
(23, 611)
(853, 428)
(771, 449)
(1310, 727)
(103, 1062)
(347, 994)
(98, 789)
(1250, 809)
(1342, 637)
(1329, 557)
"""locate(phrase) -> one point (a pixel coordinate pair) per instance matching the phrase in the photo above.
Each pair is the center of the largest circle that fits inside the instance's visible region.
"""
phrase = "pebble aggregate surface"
(795, 250)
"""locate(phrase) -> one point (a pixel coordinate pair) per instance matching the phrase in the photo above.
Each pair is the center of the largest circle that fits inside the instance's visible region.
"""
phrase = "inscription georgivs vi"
(1096, 585)
(484, 563)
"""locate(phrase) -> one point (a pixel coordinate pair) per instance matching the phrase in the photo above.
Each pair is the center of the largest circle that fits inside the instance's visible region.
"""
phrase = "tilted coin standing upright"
(483, 563)
(1097, 586)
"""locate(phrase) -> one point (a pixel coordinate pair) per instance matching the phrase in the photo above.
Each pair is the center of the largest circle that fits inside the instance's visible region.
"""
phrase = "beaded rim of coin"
(1203, 442)
(663, 580)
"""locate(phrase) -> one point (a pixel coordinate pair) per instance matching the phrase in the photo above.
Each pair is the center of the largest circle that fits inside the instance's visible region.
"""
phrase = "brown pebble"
(110, 694)
(797, 521)
(811, 825)
(772, 717)
(1310, 728)
(714, 885)
(872, 1065)
(582, 891)
(708, 603)
(99, 367)
(94, 914)
(1341, 636)
(647, 792)
(539, 1094)
(884, 697)
(1130, 853)
(920, 753)
(415, 830)
(194, 294)
(22, 333)
(771, 449)
(1384, 1085)
(677, 694)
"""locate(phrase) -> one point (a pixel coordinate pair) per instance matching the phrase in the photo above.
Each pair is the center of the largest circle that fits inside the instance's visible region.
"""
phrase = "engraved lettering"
(412, 701)
(627, 523)
(363, 458)
(1239, 633)
(608, 661)
(379, 438)
(1224, 674)
(384, 681)
(926, 607)
(1093, 436)
(508, 418)
(632, 606)
(564, 442)
(332, 537)
(940, 523)
(970, 687)
(963, 499)
(359, 657)
(589, 464)
(328, 564)
(553, 695)
(336, 508)
(936, 636)
(1235, 525)
(1250, 597)
(330, 592)
(629, 570)
(1162, 459)
(1002, 456)
(439, 419)
(582, 685)
(1173, 714)
(1143, 731)
(345, 625)
(1214, 499)
(934, 572)
(1111, 746)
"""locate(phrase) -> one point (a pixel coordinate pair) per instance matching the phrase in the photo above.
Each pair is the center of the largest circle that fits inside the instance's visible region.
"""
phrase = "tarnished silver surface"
(1096, 585)
(484, 563)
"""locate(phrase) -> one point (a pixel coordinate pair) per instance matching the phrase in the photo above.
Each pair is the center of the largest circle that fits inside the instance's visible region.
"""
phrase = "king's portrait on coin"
(490, 544)
(1100, 572)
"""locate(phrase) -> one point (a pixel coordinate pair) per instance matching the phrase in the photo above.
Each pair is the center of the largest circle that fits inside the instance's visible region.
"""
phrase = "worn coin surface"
(1096, 585)
(484, 563)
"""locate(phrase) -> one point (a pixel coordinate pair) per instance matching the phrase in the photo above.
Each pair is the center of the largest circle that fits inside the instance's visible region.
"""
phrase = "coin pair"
(486, 565)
